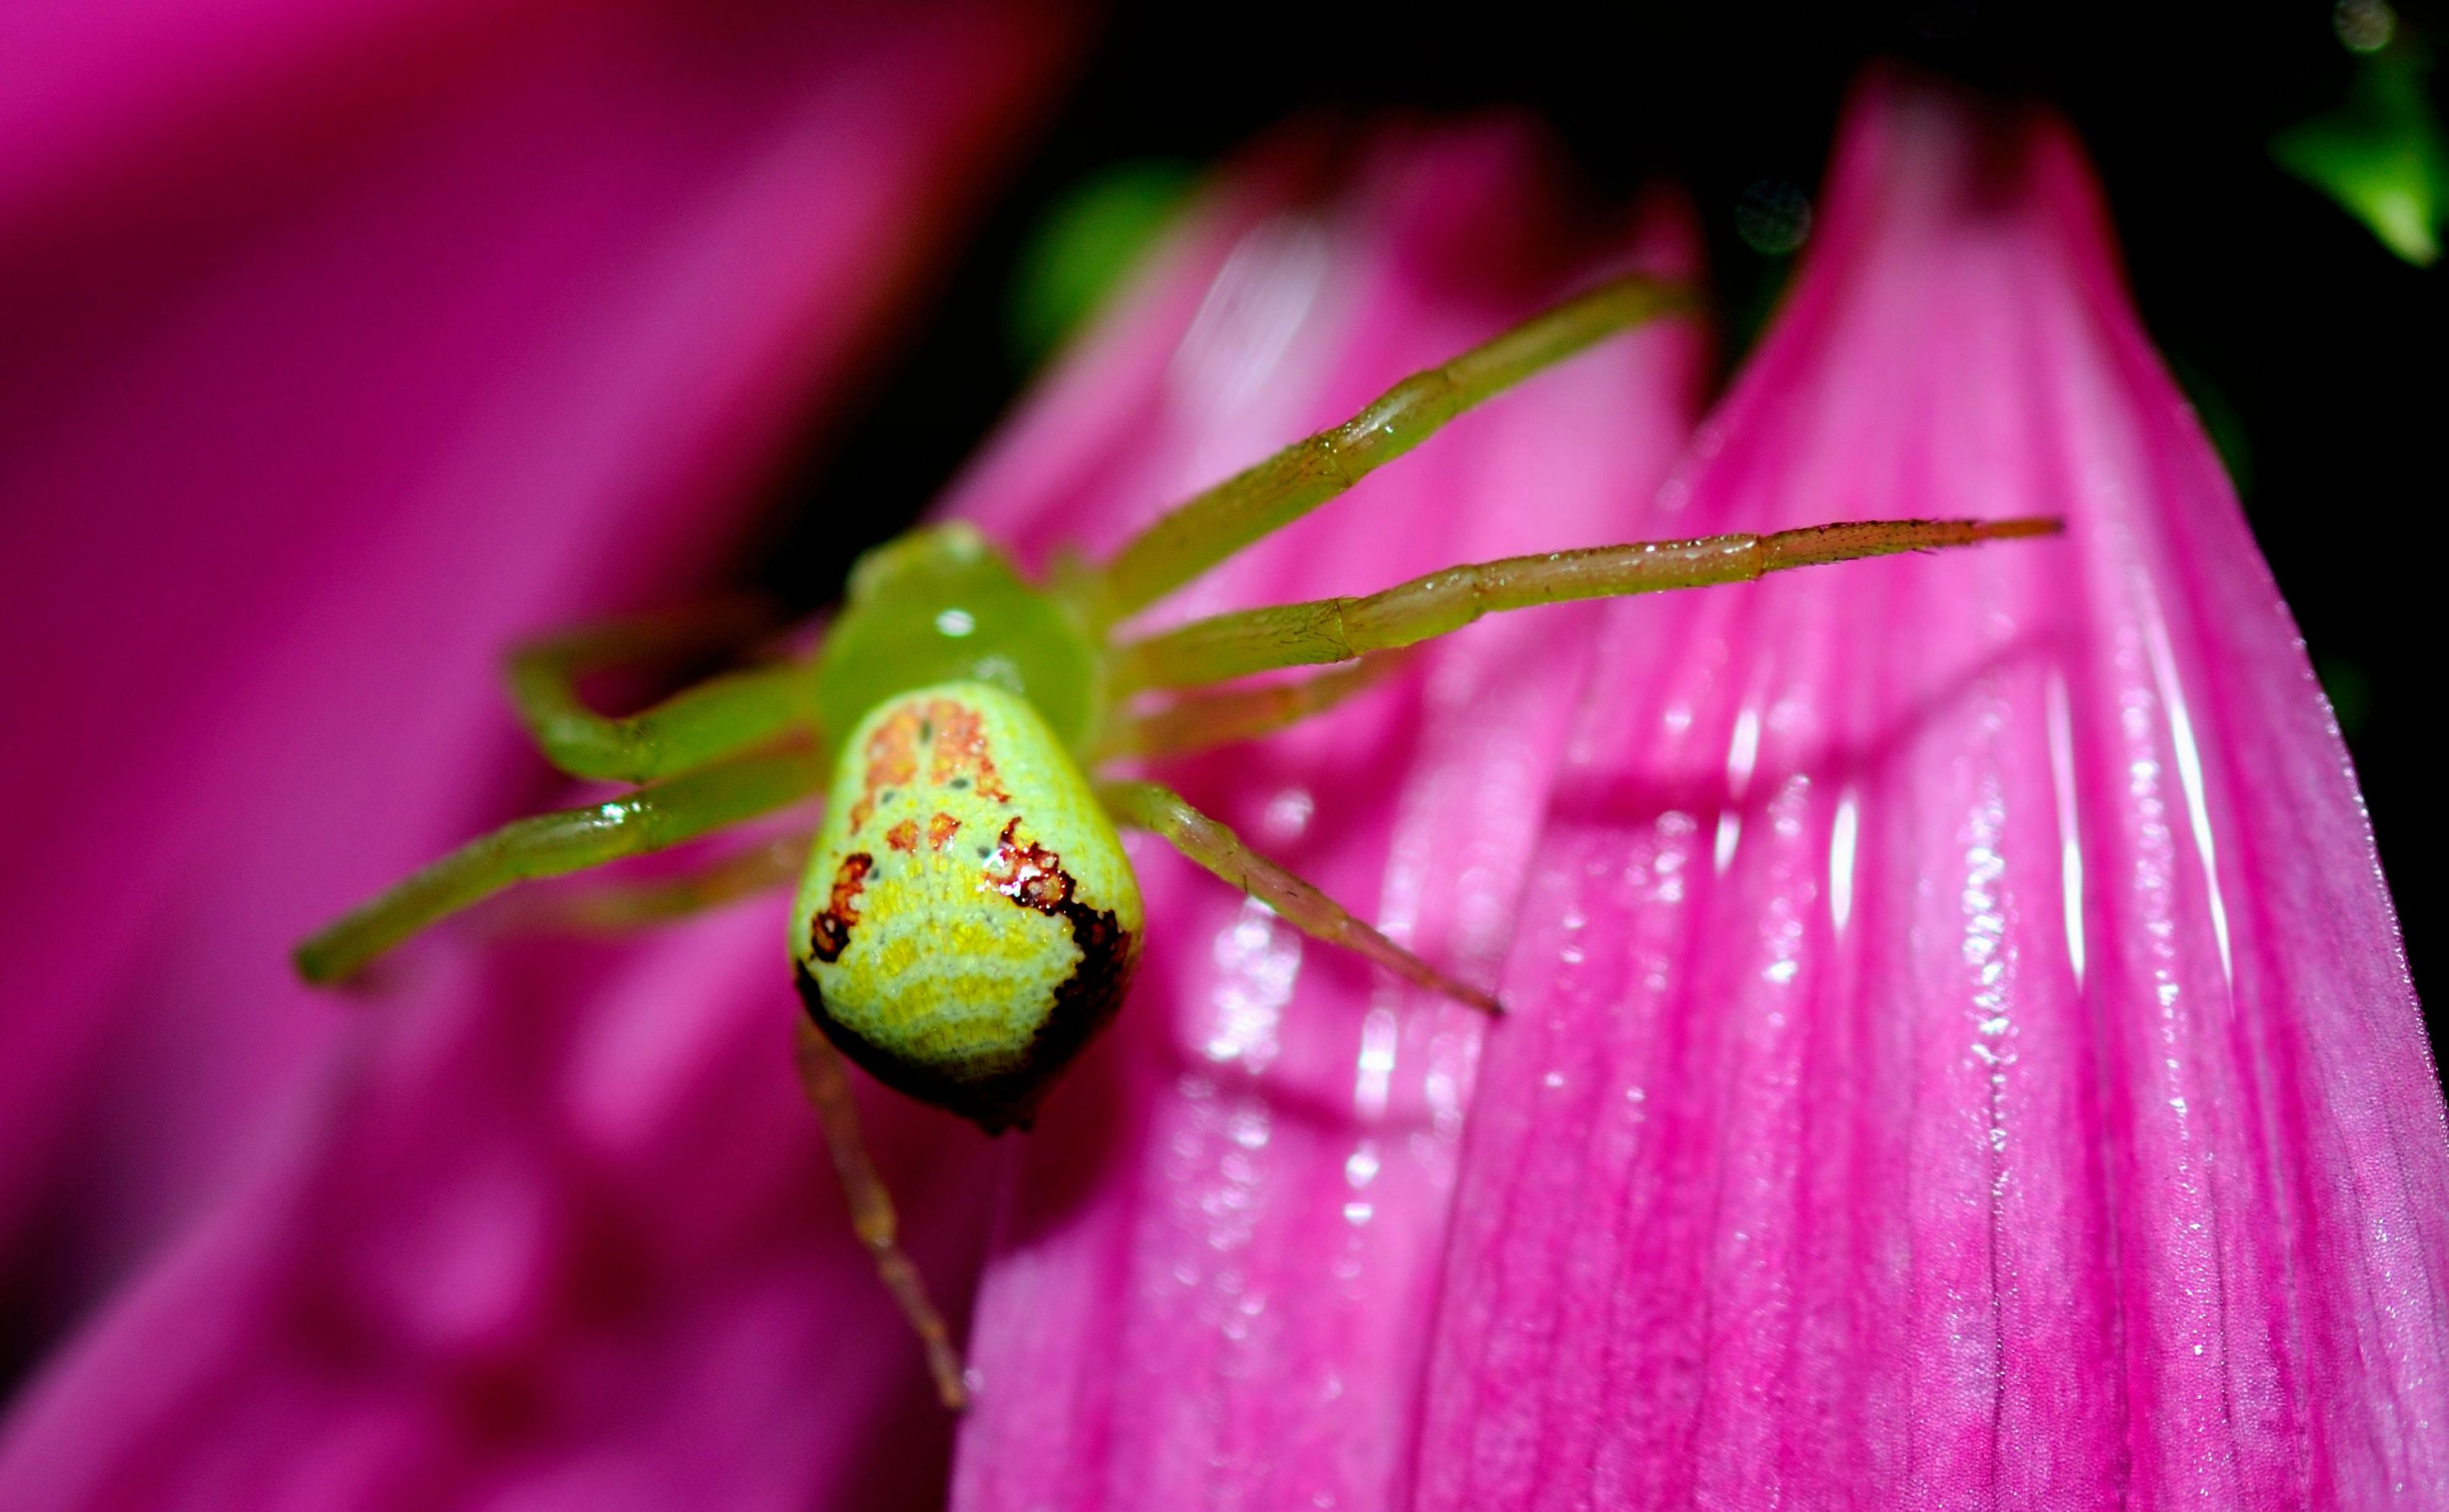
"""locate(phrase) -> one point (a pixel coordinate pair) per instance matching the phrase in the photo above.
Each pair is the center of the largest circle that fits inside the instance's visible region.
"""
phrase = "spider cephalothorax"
(967, 918)
(941, 605)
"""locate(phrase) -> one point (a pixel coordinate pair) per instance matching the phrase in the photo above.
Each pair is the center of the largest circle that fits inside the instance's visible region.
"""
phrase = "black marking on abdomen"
(829, 933)
(1085, 1002)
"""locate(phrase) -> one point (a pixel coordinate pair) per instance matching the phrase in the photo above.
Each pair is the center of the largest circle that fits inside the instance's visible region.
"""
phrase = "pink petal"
(346, 342)
(1962, 1054)
(1216, 1270)
(564, 1237)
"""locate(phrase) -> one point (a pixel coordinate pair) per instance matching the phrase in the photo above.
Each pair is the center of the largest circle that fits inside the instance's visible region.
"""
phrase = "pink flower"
(347, 342)
(1960, 1052)
(2143, 1204)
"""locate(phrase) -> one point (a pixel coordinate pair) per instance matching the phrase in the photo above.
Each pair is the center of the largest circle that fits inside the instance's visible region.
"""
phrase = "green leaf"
(2381, 155)
(1085, 245)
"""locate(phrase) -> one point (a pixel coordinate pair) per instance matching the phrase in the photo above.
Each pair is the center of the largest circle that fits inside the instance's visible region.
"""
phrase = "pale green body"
(968, 918)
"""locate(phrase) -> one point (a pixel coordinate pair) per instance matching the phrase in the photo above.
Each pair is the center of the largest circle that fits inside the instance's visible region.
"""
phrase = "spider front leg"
(827, 1083)
(1259, 501)
(555, 844)
(1326, 630)
(718, 717)
(1162, 812)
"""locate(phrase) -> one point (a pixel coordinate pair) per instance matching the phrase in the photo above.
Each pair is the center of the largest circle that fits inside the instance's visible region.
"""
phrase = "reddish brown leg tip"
(1474, 998)
(951, 1388)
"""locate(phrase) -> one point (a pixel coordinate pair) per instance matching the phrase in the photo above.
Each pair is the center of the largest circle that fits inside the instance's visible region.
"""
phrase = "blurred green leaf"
(2380, 154)
(1083, 246)
(2350, 692)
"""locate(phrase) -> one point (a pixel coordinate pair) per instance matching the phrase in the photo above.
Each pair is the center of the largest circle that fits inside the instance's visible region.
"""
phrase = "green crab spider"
(966, 919)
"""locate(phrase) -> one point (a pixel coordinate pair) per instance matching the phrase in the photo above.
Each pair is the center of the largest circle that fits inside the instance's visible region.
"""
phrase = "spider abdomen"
(968, 921)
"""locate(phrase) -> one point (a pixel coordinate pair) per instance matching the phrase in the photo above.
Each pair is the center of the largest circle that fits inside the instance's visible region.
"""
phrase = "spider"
(966, 920)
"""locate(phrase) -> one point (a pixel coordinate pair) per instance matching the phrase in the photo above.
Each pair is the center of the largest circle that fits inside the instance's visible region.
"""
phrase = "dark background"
(2313, 354)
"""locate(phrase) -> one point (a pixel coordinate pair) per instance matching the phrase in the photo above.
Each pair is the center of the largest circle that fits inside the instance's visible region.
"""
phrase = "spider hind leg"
(1162, 812)
(618, 905)
(1202, 722)
(826, 1080)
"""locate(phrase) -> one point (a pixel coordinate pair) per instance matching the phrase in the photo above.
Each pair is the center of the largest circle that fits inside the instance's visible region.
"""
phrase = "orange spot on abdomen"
(892, 762)
(955, 741)
(961, 749)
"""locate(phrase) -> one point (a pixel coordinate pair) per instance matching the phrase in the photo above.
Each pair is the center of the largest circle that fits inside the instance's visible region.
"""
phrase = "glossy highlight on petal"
(1962, 1052)
(1217, 1266)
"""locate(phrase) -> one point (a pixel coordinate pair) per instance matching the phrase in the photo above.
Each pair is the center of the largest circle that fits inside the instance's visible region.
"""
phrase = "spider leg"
(1162, 812)
(1212, 526)
(554, 844)
(716, 719)
(1324, 630)
(871, 1207)
(610, 907)
(1245, 714)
